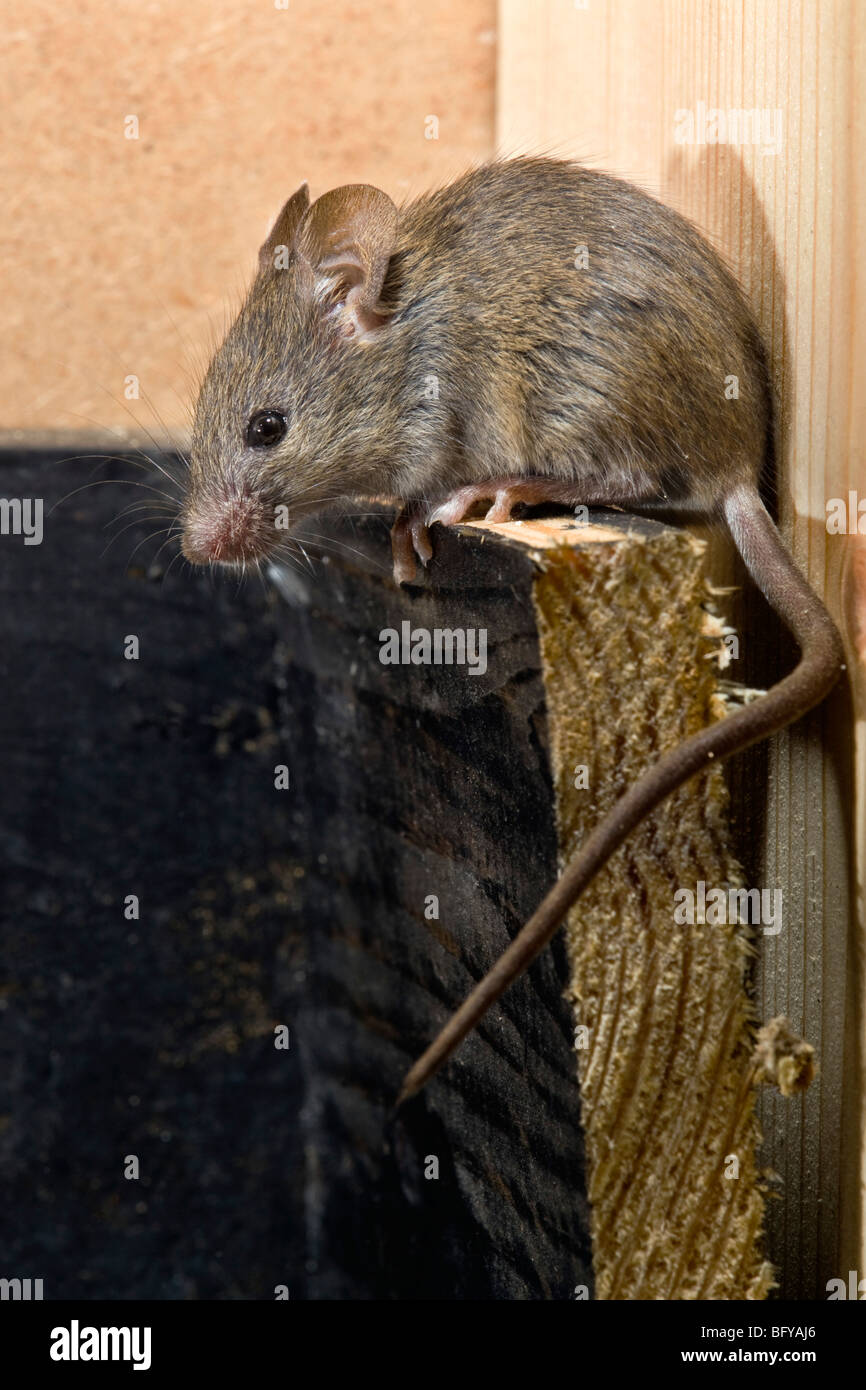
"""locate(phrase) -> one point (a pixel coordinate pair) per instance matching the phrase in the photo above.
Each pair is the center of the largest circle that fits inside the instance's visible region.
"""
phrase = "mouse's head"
(297, 407)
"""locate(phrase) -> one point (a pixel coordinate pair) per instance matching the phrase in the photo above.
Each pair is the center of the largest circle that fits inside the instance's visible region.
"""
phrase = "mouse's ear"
(283, 231)
(347, 238)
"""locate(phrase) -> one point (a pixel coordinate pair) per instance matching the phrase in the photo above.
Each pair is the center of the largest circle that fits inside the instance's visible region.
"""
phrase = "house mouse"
(534, 332)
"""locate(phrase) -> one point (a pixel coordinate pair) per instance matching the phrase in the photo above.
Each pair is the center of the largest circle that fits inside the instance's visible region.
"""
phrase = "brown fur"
(611, 376)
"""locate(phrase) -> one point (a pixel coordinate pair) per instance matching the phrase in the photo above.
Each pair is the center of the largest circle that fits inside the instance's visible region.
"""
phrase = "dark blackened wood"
(262, 907)
(411, 781)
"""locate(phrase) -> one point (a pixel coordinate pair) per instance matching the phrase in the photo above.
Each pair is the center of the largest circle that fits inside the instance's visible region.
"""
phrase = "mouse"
(534, 332)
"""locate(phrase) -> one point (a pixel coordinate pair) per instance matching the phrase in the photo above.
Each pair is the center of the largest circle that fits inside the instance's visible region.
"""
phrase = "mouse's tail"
(821, 662)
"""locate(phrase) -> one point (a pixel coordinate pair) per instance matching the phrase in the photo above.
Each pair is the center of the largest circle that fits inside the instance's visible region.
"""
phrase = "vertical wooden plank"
(583, 83)
(852, 582)
(605, 84)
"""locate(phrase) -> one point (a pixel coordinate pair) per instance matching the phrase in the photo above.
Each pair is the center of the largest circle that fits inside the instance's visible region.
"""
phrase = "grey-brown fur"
(613, 375)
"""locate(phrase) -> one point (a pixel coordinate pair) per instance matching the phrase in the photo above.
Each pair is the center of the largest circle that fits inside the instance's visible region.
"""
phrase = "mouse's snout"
(229, 530)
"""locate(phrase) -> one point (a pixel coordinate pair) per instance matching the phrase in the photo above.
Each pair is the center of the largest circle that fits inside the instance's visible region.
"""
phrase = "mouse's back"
(582, 327)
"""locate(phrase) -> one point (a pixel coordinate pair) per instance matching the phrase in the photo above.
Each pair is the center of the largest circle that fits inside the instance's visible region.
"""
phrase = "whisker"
(169, 538)
(102, 458)
(152, 535)
(138, 521)
(320, 541)
(106, 482)
(288, 556)
(138, 507)
(178, 555)
(306, 557)
(134, 448)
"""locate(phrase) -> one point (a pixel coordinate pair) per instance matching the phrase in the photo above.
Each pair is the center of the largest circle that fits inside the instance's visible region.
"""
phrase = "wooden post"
(783, 200)
(629, 664)
(426, 811)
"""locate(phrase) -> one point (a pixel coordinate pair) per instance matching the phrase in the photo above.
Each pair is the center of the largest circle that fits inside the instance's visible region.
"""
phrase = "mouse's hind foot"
(503, 495)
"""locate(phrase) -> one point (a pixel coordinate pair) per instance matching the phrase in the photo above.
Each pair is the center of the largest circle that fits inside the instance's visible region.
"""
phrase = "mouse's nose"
(226, 531)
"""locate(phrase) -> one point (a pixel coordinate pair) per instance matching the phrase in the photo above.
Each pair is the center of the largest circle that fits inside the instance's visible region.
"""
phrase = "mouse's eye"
(265, 429)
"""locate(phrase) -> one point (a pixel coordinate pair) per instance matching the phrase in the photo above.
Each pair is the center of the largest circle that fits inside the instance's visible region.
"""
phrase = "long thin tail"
(821, 663)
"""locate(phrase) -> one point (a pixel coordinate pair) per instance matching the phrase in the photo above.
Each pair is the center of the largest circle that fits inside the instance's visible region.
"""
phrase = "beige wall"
(122, 256)
(605, 82)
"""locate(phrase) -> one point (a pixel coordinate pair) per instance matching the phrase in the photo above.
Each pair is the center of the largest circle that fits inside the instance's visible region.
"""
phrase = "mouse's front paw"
(410, 539)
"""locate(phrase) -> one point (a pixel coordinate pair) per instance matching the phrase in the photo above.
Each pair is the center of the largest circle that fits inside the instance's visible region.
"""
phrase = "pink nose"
(225, 531)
